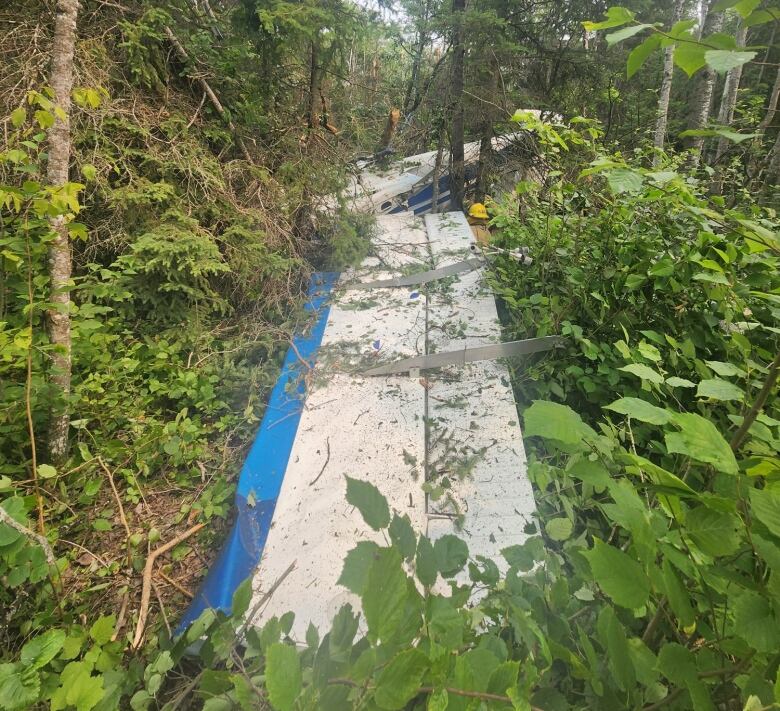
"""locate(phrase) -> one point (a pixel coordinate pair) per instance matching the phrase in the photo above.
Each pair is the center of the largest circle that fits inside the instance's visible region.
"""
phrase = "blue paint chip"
(263, 472)
(376, 345)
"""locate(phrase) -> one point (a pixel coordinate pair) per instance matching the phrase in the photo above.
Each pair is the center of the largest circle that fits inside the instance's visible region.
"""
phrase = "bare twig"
(763, 396)
(162, 607)
(122, 516)
(146, 588)
(327, 459)
(120, 620)
(176, 585)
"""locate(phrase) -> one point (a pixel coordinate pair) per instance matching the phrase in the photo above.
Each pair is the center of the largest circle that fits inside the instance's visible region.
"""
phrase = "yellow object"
(481, 234)
(479, 211)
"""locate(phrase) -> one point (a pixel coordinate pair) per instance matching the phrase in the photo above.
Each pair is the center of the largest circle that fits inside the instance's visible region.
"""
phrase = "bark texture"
(58, 316)
(729, 99)
(387, 136)
(458, 168)
(701, 100)
(771, 109)
(662, 116)
(412, 88)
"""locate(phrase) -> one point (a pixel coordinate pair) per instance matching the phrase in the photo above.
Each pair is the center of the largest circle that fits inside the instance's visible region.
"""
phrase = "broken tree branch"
(146, 588)
(216, 103)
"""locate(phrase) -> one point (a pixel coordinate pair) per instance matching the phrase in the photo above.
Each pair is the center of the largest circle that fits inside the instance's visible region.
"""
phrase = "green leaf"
(18, 117)
(46, 471)
(714, 532)
(559, 529)
(343, 630)
(384, 598)
(38, 652)
(78, 687)
(19, 687)
(755, 623)
(625, 33)
(400, 680)
(719, 389)
(761, 17)
(618, 575)
(638, 56)
(663, 478)
(89, 172)
(643, 372)
(765, 506)
(677, 663)
(438, 700)
(615, 16)
(282, 675)
(678, 597)
(640, 410)
(103, 629)
(402, 536)
(725, 370)
(354, 574)
(615, 640)
(699, 439)
(551, 420)
(242, 597)
(369, 501)
(451, 554)
(722, 60)
(624, 180)
(689, 56)
(425, 562)
(676, 382)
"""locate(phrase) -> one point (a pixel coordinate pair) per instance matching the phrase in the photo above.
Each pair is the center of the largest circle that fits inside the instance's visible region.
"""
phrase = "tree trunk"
(458, 169)
(387, 137)
(773, 171)
(729, 99)
(412, 88)
(771, 109)
(437, 169)
(701, 99)
(662, 117)
(58, 316)
(313, 117)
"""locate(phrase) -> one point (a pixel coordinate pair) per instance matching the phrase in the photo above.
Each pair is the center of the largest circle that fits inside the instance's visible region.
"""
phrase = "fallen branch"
(8, 520)
(176, 585)
(117, 498)
(146, 588)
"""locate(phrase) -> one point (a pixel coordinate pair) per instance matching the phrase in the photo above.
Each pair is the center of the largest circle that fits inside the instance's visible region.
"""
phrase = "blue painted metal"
(420, 202)
(262, 475)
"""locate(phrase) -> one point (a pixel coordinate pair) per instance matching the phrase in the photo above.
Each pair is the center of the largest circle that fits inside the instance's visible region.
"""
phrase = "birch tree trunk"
(58, 316)
(458, 170)
(662, 117)
(701, 100)
(729, 99)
